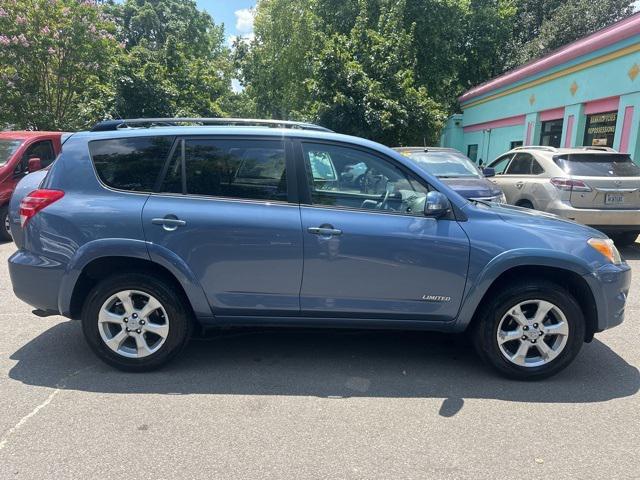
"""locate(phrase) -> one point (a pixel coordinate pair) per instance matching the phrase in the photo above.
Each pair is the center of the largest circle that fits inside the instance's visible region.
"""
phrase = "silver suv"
(595, 186)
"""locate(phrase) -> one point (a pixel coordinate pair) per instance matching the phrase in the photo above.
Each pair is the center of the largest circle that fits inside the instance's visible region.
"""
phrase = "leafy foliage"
(389, 70)
(175, 61)
(56, 62)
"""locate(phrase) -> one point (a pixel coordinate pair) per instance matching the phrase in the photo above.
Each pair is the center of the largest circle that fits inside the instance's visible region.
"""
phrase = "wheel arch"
(565, 271)
(102, 258)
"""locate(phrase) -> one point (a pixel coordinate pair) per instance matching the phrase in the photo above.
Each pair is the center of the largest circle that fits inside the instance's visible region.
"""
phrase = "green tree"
(55, 63)
(364, 82)
(544, 26)
(175, 64)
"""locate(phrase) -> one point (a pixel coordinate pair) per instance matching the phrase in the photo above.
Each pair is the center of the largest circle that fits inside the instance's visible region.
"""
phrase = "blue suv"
(145, 230)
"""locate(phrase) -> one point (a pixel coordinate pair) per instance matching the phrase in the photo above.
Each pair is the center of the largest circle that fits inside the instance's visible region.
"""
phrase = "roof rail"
(111, 125)
(537, 147)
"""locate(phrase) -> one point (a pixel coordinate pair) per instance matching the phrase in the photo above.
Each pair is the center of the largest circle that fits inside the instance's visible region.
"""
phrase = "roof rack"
(537, 147)
(111, 125)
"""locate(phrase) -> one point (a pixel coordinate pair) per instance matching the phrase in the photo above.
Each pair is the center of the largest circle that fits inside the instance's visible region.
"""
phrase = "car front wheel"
(531, 330)
(135, 322)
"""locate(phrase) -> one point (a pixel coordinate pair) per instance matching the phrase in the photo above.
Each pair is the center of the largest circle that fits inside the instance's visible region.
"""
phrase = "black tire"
(625, 239)
(5, 235)
(525, 204)
(179, 314)
(486, 330)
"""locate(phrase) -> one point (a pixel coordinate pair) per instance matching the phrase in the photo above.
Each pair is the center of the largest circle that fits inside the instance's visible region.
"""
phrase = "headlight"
(606, 248)
(501, 198)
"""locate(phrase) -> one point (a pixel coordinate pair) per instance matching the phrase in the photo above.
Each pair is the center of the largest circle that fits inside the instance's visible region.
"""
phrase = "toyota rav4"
(145, 229)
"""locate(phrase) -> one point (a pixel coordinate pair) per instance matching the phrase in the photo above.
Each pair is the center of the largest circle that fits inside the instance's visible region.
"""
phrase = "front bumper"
(36, 279)
(604, 218)
(610, 287)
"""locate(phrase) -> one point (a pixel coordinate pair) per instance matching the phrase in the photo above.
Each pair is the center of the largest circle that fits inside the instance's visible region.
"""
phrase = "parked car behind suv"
(596, 186)
(457, 171)
(21, 153)
(161, 230)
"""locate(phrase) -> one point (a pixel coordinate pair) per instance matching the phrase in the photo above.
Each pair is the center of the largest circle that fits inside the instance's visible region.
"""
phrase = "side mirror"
(489, 172)
(436, 205)
(34, 165)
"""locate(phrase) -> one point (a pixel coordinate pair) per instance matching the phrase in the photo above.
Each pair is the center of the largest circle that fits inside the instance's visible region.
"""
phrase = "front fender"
(524, 257)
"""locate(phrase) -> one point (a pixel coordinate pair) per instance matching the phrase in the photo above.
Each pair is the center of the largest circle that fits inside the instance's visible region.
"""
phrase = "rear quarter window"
(597, 165)
(132, 164)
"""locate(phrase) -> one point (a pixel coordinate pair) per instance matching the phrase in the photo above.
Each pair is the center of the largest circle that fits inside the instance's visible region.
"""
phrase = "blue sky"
(235, 14)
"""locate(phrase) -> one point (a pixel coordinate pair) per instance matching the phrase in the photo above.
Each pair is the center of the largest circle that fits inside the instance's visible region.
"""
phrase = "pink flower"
(45, 30)
(3, 12)
(20, 20)
(51, 50)
(23, 40)
(4, 40)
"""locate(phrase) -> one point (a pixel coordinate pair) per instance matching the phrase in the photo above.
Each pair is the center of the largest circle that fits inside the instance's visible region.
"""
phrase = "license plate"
(614, 199)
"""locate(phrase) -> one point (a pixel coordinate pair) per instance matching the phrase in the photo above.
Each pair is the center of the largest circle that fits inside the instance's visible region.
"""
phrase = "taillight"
(36, 201)
(569, 184)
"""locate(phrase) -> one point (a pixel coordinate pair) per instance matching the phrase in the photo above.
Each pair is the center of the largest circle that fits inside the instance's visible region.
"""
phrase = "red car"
(22, 153)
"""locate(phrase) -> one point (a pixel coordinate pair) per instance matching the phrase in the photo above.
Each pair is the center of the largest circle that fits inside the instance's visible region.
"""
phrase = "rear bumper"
(36, 279)
(610, 287)
(603, 219)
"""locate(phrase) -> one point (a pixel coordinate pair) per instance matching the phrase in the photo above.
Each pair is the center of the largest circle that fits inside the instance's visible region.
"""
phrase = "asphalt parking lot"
(310, 405)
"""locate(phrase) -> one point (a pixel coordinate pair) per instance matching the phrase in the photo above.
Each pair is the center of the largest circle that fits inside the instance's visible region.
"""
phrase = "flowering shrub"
(56, 59)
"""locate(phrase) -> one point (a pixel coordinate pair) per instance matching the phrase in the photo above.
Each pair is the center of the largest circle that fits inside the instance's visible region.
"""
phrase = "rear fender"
(128, 248)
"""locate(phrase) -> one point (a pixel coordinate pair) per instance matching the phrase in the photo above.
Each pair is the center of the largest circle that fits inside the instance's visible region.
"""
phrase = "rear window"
(130, 163)
(598, 165)
(445, 164)
(7, 149)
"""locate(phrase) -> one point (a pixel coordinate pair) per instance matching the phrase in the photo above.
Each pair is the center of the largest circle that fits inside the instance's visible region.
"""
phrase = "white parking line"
(59, 386)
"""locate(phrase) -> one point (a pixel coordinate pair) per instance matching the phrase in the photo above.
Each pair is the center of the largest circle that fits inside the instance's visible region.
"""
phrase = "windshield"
(446, 164)
(598, 165)
(7, 149)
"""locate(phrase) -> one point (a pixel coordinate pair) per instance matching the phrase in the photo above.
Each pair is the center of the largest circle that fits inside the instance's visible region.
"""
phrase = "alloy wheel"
(532, 333)
(133, 324)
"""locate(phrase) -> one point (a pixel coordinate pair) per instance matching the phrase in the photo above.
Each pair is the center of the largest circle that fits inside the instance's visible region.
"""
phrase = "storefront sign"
(601, 129)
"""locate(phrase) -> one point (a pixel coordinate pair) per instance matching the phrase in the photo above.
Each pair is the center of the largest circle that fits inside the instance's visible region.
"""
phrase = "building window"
(514, 144)
(601, 128)
(472, 152)
(551, 133)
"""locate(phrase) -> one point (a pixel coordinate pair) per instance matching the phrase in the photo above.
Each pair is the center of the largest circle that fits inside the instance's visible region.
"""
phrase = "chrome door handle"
(326, 231)
(168, 223)
(519, 184)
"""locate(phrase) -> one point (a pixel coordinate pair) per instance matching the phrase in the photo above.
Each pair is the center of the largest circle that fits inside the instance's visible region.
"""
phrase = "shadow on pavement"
(631, 252)
(323, 363)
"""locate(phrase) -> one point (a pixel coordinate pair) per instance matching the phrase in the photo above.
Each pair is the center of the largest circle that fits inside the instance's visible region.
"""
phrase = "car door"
(42, 149)
(226, 208)
(369, 251)
(516, 176)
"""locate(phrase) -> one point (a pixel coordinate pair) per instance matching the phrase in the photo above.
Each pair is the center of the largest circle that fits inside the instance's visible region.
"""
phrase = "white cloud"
(244, 20)
(246, 38)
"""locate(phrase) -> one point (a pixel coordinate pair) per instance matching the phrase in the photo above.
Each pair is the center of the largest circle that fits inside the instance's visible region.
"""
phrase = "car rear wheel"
(625, 239)
(5, 224)
(135, 323)
(530, 330)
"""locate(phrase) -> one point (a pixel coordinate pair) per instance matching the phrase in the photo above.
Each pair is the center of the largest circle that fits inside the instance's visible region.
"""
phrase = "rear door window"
(598, 165)
(242, 168)
(521, 164)
(132, 164)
